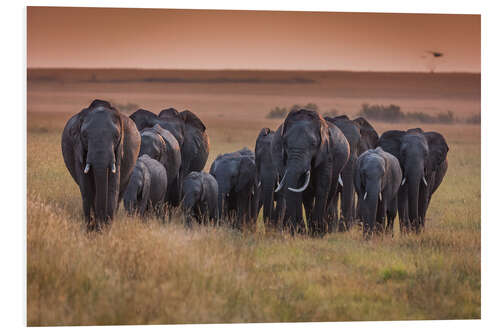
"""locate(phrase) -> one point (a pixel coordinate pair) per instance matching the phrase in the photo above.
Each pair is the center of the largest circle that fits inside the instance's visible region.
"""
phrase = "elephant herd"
(296, 174)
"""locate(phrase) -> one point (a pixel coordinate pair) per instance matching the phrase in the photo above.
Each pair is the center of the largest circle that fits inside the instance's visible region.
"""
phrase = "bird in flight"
(436, 54)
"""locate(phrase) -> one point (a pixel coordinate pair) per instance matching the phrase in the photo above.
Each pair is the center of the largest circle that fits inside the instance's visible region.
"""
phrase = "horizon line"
(254, 70)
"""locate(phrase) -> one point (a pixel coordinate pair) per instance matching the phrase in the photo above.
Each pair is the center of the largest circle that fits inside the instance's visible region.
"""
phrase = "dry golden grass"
(138, 273)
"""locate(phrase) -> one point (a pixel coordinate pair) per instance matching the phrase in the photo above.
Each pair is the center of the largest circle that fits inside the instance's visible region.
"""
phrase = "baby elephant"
(200, 198)
(147, 188)
(377, 178)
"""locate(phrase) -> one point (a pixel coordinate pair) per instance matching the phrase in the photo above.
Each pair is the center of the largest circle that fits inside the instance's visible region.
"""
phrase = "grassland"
(138, 273)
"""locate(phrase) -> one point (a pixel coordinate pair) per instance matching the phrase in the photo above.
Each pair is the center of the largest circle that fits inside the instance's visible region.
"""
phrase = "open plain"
(154, 273)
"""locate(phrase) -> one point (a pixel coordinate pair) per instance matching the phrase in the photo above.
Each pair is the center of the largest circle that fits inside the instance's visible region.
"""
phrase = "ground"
(151, 273)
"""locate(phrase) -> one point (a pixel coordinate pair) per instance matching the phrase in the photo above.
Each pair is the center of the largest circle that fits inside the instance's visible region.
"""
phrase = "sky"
(213, 39)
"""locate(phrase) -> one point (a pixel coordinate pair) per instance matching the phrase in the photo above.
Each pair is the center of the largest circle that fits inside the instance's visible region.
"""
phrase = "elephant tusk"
(340, 181)
(113, 168)
(308, 177)
(280, 185)
(364, 197)
(425, 181)
(380, 196)
(403, 182)
(259, 184)
(87, 168)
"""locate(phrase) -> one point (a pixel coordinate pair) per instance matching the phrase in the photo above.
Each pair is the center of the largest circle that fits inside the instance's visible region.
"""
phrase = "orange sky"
(212, 39)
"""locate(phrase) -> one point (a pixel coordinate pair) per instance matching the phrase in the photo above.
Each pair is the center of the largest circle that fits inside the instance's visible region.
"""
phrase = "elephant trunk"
(293, 214)
(101, 197)
(369, 205)
(414, 178)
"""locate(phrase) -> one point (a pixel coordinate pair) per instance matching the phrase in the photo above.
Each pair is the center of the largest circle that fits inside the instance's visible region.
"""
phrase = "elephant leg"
(323, 184)
(87, 193)
(347, 196)
(279, 211)
(404, 225)
(380, 220)
(307, 201)
(392, 208)
(113, 194)
(422, 206)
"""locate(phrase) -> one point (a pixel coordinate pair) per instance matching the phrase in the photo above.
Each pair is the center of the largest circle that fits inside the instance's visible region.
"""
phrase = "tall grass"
(154, 273)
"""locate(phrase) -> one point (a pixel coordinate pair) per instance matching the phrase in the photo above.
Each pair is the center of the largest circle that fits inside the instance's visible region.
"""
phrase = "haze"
(213, 39)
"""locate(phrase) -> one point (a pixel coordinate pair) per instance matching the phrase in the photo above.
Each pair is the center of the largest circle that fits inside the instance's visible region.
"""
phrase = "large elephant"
(162, 146)
(423, 160)
(237, 186)
(309, 153)
(192, 136)
(100, 147)
(147, 188)
(187, 128)
(267, 174)
(377, 176)
(352, 132)
(199, 201)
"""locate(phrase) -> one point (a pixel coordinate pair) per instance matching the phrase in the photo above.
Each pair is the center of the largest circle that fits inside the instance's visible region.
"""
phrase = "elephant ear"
(74, 133)
(390, 142)
(325, 144)
(368, 134)
(129, 149)
(277, 151)
(146, 186)
(143, 119)
(246, 173)
(163, 134)
(191, 119)
(169, 113)
(438, 149)
(415, 130)
(99, 102)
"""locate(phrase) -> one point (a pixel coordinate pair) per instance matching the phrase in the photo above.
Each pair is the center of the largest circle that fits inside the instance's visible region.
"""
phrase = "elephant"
(199, 200)
(352, 133)
(147, 188)
(267, 174)
(162, 146)
(187, 128)
(237, 186)
(377, 177)
(100, 147)
(423, 160)
(309, 155)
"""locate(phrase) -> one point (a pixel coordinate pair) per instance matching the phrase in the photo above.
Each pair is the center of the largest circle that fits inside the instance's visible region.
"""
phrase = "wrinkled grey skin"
(187, 128)
(423, 160)
(267, 175)
(162, 146)
(105, 140)
(199, 200)
(237, 186)
(303, 145)
(377, 176)
(353, 134)
(147, 188)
